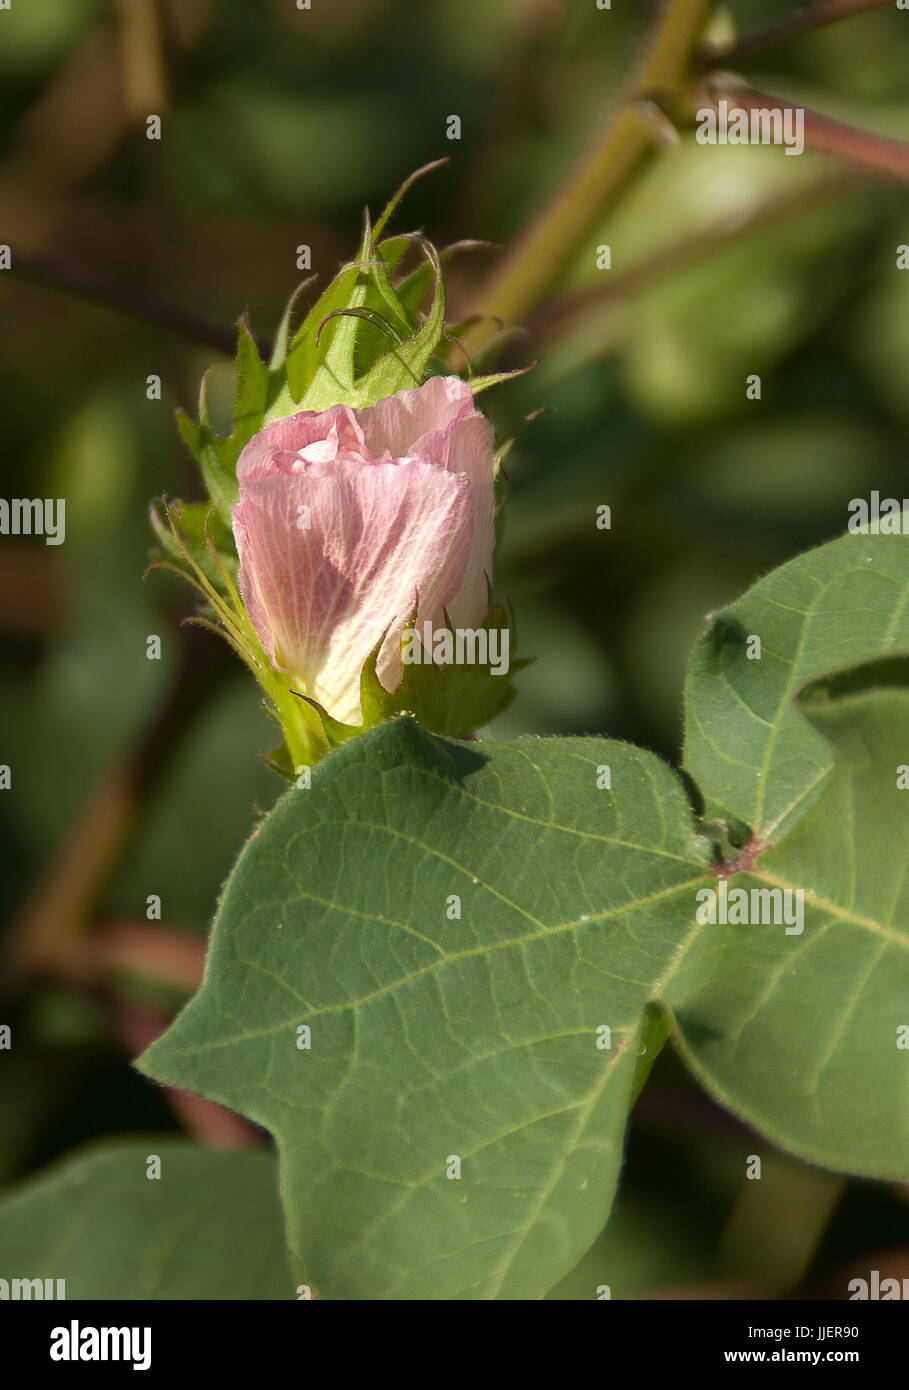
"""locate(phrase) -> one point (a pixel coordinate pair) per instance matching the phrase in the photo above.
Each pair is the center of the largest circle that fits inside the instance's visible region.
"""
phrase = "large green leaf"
(748, 746)
(209, 1227)
(434, 1037)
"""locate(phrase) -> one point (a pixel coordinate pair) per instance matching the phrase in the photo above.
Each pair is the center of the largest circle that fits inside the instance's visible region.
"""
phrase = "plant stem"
(626, 136)
(804, 21)
(55, 273)
(877, 153)
(559, 317)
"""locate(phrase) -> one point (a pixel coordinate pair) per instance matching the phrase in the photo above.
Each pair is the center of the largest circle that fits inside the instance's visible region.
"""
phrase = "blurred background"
(136, 778)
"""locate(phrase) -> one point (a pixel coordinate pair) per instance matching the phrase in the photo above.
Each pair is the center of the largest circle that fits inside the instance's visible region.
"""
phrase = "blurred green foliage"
(278, 126)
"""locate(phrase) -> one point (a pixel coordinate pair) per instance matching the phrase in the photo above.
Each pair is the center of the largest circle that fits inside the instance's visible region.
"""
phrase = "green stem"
(628, 134)
(305, 745)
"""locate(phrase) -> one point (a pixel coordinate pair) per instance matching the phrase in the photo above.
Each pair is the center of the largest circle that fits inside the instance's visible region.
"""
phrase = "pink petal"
(439, 422)
(276, 449)
(397, 422)
(469, 453)
(381, 535)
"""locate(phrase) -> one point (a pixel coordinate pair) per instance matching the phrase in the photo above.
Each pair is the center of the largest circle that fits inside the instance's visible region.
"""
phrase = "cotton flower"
(348, 521)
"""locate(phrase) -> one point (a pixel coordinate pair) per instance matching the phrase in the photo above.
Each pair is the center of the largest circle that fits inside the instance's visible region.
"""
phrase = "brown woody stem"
(877, 153)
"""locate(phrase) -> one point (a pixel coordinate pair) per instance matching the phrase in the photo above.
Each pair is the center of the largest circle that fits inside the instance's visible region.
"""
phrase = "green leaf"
(282, 335)
(483, 383)
(408, 183)
(209, 1227)
(405, 365)
(339, 336)
(320, 373)
(192, 519)
(413, 288)
(217, 454)
(392, 322)
(748, 745)
(433, 1037)
(455, 699)
(801, 1034)
(252, 388)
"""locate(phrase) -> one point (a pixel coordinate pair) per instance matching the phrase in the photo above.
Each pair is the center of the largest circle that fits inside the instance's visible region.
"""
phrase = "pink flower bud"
(348, 520)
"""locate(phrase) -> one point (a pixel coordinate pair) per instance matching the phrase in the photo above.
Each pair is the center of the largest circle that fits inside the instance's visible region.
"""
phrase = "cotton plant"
(443, 965)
